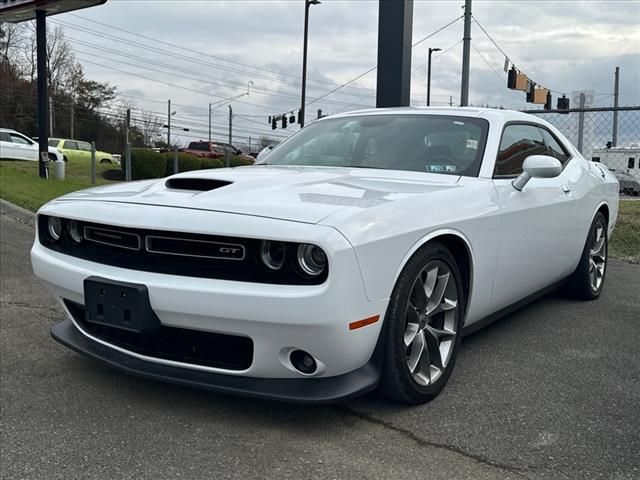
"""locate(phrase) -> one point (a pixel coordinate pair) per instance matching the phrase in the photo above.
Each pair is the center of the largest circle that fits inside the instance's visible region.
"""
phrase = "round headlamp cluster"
(57, 228)
(310, 260)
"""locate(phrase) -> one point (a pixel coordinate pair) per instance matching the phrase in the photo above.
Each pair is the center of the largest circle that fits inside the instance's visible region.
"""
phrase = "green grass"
(625, 241)
(20, 184)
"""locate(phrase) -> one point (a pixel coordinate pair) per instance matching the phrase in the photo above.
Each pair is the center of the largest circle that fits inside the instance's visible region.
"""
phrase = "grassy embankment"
(19, 184)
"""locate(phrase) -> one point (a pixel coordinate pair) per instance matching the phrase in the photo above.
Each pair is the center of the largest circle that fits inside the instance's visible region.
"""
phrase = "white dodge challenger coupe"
(355, 256)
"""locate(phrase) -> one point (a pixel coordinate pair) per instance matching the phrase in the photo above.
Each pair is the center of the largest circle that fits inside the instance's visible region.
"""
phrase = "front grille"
(229, 352)
(175, 253)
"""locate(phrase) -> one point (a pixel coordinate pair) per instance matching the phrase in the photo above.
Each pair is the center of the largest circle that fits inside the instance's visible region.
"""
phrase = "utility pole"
(466, 54)
(127, 150)
(72, 118)
(431, 50)
(616, 92)
(43, 91)
(451, 100)
(51, 117)
(209, 122)
(227, 157)
(168, 123)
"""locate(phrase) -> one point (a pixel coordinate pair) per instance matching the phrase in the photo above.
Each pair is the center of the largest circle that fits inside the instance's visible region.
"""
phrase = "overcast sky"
(563, 45)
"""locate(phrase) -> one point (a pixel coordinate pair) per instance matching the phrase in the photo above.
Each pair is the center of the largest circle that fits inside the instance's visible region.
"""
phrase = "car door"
(84, 149)
(7, 150)
(537, 224)
(70, 150)
(24, 148)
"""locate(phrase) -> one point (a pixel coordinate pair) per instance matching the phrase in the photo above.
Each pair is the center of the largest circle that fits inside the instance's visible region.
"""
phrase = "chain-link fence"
(610, 136)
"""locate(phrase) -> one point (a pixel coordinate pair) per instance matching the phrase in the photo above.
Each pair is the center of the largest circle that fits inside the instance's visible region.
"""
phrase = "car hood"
(301, 194)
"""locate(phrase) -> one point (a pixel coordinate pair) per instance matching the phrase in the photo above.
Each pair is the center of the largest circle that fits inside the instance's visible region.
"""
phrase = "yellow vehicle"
(76, 149)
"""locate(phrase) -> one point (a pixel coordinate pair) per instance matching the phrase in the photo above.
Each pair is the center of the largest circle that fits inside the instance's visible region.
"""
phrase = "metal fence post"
(175, 159)
(93, 163)
(581, 123)
(128, 164)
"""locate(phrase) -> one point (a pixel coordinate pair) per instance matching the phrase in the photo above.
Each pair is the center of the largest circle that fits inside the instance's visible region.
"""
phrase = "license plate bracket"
(121, 305)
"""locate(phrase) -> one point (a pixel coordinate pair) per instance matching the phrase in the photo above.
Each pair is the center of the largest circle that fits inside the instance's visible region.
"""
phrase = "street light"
(431, 50)
(307, 4)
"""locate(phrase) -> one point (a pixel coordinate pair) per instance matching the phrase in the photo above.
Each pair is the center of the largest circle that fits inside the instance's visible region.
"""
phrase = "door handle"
(566, 188)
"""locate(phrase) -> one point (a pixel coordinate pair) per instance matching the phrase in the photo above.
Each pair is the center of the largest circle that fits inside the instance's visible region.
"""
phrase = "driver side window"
(518, 142)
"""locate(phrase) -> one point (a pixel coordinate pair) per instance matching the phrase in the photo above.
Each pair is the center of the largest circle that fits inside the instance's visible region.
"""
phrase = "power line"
(374, 68)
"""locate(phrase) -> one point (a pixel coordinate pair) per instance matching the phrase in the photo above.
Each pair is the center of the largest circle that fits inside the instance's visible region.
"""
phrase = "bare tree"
(11, 39)
(150, 125)
(60, 57)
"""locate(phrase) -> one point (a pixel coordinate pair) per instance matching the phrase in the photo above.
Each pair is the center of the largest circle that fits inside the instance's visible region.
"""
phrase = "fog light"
(74, 231)
(273, 254)
(303, 362)
(54, 227)
(312, 259)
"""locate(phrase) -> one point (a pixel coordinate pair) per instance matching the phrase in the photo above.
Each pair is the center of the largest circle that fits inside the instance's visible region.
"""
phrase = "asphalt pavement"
(549, 392)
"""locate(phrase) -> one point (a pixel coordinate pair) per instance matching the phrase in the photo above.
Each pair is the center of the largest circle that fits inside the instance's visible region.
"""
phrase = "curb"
(18, 213)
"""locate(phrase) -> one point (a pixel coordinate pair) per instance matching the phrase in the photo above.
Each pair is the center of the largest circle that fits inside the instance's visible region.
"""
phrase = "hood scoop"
(195, 184)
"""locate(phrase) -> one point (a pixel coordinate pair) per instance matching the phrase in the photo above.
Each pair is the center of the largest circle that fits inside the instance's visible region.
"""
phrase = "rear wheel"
(587, 281)
(423, 326)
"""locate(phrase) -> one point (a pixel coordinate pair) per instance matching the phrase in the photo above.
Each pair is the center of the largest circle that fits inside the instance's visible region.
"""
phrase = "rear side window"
(71, 145)
(4, 137)
(518, 142)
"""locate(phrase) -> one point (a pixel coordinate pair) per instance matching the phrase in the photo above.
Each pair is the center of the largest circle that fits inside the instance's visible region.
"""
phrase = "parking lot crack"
(520, 472)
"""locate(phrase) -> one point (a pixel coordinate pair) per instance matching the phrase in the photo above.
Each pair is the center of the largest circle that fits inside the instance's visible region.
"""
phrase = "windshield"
(423, 143)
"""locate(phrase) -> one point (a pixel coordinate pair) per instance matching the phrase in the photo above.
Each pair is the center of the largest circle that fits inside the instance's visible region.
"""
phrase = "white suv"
(16, 146)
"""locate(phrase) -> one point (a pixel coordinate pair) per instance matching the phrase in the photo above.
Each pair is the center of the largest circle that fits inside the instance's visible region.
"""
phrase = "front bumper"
(299, 390)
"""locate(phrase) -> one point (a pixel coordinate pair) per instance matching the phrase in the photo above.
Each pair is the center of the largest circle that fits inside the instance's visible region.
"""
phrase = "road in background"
(550, 392)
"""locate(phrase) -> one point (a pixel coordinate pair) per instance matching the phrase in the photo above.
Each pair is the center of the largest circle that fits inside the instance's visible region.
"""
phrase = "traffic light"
(563, 103)
(547, 105)
(273, 123)
(284, 121)
(292, 118)
(269, 121)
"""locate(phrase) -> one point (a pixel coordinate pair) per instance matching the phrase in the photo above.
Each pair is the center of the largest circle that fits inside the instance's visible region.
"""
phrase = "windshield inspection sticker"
(472, 144)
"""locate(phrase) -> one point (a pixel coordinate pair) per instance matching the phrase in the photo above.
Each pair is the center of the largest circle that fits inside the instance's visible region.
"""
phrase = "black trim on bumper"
(299, 390)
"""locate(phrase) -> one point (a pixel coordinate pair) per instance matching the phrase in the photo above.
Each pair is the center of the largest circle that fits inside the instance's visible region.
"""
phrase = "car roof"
(492, 114)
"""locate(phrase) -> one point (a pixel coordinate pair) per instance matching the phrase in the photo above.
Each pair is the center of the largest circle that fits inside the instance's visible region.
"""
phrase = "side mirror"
(537, 166)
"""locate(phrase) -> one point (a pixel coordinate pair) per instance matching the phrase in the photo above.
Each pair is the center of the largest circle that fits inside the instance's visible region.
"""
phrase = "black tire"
(397, 382)
(65, 158)
(105, 160)
(580, 285)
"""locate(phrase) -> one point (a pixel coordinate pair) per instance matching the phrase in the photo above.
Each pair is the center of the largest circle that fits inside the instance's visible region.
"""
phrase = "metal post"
(466, 55)
(175, 160)
(431, 50)
(50, 116)
(581, 123)
(127, 154)
(168, 123)
(93, 163)
(451, 100)
(209, 122)
(616, 92)
(395, 26)
(249, 144)
(227, 157)
(307, 4)
(43, 94)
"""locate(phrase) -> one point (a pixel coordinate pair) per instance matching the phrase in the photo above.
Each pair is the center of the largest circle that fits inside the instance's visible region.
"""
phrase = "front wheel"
(587, 281)
(423, 326)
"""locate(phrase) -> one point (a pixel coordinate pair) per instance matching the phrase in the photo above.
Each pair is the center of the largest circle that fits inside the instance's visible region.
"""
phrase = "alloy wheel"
(597, 257)
(431, 322)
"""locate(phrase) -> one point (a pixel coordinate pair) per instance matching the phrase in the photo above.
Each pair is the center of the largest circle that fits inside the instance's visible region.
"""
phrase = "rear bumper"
(300, 390)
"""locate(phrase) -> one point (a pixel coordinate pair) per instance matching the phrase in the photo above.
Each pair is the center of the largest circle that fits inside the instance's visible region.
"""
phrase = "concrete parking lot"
(549, 392)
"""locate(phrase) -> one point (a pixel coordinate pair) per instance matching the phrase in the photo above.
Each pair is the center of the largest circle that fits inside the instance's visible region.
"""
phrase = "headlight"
(311, 259)
(273, 254)
(54, 227)
(74, 231)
